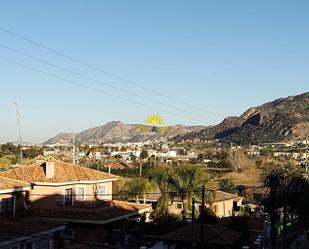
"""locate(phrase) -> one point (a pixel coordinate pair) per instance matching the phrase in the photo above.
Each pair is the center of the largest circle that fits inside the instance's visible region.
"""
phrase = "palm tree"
(187, 183)
(138, 187)
(286, 185)
(162, 176)
(177, 182)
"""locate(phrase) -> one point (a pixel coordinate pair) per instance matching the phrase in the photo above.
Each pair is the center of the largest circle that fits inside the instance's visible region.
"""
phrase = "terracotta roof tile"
(212, 234)
(64, 172)
(7, 183)
(222, 196)
(12, 228)
(40, 157)
(256, 224)
(107, 210)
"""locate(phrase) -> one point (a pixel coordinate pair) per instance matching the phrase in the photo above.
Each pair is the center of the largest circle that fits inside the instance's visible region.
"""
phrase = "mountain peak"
(275, 121)
(117, 131)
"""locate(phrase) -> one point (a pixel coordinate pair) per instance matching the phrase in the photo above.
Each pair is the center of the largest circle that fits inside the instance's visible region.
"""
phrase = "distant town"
(149, 193)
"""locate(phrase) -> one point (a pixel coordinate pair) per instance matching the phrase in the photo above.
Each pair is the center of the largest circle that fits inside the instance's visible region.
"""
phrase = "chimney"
(49, 169)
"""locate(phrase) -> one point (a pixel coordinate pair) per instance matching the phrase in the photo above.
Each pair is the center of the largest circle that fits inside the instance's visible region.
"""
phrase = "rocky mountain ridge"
(117, 131)
(279, 120)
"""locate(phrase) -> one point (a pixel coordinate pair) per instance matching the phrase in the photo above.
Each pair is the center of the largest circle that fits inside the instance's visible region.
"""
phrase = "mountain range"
(283, 119)
(117, 131)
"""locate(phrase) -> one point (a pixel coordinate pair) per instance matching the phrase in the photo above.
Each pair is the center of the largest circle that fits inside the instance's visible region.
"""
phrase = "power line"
(253, 188)
(95, 89)
(107, 73)
(98, 81)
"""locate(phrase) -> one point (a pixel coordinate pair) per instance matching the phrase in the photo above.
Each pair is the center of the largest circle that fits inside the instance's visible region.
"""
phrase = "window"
(235, 206)
(178, 205)
(215, 209)
(7, 205)
(80, 194)
(101, 191)
(68, 197)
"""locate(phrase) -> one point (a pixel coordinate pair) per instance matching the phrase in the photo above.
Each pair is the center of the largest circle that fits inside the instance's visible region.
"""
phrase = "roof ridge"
(225, 192)
(129, 203)
(80, 166)
(15, 180)
(66, 172)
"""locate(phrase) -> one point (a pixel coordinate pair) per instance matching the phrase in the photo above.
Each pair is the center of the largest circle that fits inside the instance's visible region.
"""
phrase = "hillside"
(116, 131)
(275, 121)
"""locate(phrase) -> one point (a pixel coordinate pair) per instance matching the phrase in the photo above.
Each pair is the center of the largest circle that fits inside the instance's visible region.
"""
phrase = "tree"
(144, 154)
(177, 182)
(227, 185)
(138, 187)
(200, 157)
(186, 181)
(288, 189)
(32, 152)
(238, 159)
(162, 176)
(5, 163)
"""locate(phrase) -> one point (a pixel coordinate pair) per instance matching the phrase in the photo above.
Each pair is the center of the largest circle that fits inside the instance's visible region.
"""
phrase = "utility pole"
(273, 193)
(284, 225)
(109, 165)
(140, 168)
(307, 154)
(202, 216)
(192, 221)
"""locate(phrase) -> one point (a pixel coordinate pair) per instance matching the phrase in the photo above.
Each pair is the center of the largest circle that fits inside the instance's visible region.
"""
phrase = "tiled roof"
(11, 228)
(222, 196)
(254, 224)
(64, 172)
(217, 197)
(40, 157)
(104, 213)
(7, 183)
(212, 235)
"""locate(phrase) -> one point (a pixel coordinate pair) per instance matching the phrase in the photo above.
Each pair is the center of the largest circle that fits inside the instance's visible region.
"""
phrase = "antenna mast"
(74, 151)
(19, 131)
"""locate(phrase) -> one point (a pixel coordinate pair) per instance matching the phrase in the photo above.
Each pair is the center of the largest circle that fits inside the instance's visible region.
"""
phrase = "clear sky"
(222, 56)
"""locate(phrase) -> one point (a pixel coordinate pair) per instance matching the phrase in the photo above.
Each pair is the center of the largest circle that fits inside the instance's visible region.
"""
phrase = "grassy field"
(252, 177)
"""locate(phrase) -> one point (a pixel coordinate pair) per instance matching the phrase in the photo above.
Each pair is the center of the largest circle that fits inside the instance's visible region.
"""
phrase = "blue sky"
(222, 56)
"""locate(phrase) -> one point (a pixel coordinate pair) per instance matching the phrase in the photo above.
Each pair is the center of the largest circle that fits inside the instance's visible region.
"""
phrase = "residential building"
(72, 194)
(11, 195)
(18, 232)
(31, 233)
(223, 204)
